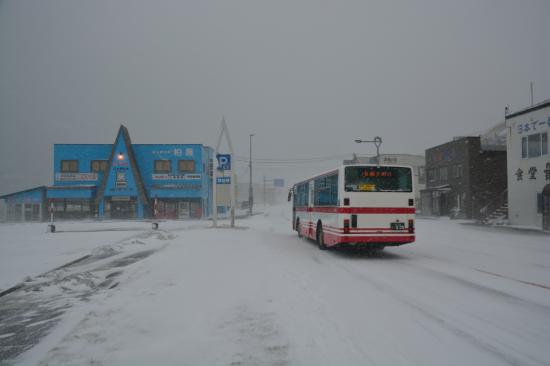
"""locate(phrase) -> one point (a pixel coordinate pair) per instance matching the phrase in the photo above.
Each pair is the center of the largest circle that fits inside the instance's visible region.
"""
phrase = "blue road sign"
(278, 182)
(223, 180)
(224, 161)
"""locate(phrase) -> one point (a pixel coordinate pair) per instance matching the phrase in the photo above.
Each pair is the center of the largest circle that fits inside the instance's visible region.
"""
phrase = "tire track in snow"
(530, 283)
(435, 316)
(43, 301)
(513, 279)
(482, 288)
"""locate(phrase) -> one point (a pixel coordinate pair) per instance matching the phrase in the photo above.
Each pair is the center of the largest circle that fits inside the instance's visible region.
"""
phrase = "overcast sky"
(307, 77)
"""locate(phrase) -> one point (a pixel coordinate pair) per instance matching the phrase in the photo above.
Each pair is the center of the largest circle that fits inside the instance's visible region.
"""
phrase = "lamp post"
(377, 142)
(250, 194)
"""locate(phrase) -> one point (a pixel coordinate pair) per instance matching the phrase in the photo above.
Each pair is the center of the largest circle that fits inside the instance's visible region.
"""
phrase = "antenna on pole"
(377, 142)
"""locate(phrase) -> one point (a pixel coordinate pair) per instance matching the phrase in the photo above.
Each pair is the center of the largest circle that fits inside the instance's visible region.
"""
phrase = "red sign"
(376, 174)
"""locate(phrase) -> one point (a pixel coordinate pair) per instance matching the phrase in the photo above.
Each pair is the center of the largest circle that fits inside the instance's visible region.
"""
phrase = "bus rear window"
(378, 179)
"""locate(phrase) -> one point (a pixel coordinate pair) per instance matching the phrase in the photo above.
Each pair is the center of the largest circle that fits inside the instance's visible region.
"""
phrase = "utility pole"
(265, 204)
(250, 194)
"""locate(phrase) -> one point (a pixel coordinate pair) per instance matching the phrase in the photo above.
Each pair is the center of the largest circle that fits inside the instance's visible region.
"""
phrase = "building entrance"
(32, 212)
(183, 210)
(546, 208)
(123, 209)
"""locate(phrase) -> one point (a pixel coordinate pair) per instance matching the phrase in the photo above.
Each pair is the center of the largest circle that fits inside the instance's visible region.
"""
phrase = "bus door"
(292, 196)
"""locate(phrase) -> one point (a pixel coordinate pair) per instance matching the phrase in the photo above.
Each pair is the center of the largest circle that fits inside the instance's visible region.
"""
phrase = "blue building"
(121, 181)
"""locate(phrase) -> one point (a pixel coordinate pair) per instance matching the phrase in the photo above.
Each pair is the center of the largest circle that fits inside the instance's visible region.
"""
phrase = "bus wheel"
(299, 228)
(320, 237)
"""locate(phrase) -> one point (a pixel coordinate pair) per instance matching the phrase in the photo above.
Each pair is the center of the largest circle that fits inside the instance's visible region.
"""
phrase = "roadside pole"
(215, 187)
(51, 226)
(232, 186)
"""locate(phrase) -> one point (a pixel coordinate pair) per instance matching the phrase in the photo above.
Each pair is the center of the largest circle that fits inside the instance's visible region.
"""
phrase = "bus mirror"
(289, 195)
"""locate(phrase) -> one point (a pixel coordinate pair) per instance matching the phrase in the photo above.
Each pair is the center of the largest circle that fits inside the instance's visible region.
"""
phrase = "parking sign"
(224, 161)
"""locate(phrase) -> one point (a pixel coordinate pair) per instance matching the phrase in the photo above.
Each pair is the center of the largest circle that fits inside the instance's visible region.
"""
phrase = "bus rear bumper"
(370, 240)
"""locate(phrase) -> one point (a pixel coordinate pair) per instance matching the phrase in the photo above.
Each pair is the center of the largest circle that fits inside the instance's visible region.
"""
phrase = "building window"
(186, 166)
(443, 173)
(421, 175)
(73, 208)
(534, 145)
(458, 171)
(162, 166)
(98, 166)
(69, 166)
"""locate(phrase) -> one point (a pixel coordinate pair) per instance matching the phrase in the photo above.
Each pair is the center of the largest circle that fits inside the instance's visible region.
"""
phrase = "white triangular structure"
(223, 131)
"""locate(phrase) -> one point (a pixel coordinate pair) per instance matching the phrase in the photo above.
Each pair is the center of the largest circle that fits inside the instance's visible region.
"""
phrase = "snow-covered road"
(258, 295)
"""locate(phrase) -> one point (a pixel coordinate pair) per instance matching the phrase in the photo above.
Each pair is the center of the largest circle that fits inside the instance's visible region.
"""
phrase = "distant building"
(265, 193)
(120, 181)
(529, 166)
(417, 162)
(465, 179)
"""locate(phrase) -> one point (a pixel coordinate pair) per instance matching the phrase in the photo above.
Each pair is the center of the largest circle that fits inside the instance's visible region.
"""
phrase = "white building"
(417, 162)
(529, 166)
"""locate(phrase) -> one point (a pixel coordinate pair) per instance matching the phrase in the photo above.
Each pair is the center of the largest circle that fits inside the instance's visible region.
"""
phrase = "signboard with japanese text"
(177, 177)
(532, 126)
(177, 152)
(75, 177)
(223, 180)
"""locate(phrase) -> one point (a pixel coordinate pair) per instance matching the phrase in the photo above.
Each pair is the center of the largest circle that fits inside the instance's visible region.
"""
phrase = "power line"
(296, 159)
(269, 161)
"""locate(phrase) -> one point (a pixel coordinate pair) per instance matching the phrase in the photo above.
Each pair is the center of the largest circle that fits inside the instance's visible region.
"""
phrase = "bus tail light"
(346, 226)
(354, 221)
(411, 226)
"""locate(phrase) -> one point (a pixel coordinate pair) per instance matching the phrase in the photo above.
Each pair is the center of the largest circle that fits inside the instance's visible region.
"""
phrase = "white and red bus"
(369, 206)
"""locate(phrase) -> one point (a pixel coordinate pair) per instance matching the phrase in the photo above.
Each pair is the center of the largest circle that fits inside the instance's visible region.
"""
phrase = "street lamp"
(250, 196)
(377, 142)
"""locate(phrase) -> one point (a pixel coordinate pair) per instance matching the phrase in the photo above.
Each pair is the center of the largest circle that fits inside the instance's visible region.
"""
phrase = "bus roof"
(341, 167)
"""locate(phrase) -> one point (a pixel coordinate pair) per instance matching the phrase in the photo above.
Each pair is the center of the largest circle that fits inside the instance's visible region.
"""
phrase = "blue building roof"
(24, 192)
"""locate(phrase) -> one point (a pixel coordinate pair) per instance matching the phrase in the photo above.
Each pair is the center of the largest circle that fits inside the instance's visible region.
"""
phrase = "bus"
(367, 206)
